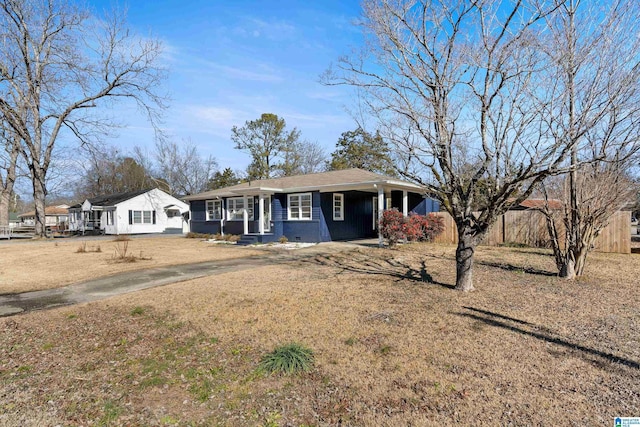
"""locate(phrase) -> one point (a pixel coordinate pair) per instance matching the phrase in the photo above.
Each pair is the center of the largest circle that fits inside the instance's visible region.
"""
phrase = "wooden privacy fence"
(528, 227)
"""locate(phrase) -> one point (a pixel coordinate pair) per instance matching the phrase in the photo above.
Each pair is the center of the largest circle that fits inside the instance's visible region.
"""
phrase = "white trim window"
(109, 217)
(299, 206)
(236, 205)
(214, 210)
(142, 217)
(250, 206)
(338, 207)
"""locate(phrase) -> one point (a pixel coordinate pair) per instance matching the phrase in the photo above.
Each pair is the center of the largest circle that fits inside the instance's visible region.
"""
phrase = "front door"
(266, 213)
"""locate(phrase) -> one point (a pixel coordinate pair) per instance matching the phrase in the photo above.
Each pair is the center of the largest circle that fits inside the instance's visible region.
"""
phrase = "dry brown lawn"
(394, 345)
(35, 265)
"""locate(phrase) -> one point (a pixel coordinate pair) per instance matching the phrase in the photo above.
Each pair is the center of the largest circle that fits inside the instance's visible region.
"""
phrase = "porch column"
(380, 210)
(261, 215)
(245, 219)
(405, 203)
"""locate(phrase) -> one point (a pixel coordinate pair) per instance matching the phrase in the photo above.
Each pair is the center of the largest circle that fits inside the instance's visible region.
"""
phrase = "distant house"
(14, 220)
(336, 205)
(136, 212)
(56, 217)
(538, 204)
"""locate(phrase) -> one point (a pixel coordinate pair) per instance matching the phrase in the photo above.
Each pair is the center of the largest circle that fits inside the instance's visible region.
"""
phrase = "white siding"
(154, 200)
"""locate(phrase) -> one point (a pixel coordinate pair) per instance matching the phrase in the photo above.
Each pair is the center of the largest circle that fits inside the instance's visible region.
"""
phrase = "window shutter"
(154, 217)
(130, 217)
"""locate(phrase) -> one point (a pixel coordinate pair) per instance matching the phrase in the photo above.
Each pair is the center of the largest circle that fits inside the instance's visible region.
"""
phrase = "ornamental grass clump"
(287, 359)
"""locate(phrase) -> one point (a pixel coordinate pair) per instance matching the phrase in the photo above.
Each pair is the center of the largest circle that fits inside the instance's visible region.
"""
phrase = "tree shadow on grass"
(541, 333)
(384, 267)
(511, 267)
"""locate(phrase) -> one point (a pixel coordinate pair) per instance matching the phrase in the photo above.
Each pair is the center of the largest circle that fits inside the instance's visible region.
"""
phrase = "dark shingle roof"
(113, 199)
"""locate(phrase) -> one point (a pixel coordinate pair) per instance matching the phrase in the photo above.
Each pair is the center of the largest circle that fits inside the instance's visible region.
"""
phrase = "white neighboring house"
(136, 212)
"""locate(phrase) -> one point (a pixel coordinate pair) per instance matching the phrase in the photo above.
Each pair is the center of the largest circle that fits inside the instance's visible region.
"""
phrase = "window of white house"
(214, 210)
(141, 217)
(338, 207)
(236, 205)
(109, 217)
(299, 206)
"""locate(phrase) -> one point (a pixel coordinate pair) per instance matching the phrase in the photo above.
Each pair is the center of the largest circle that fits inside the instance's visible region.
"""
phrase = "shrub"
(424, 228)
(283, 239)
(82, 249)
(395, 227)
(288, 359)
(122, 238)
(392, 226)
(193, 235)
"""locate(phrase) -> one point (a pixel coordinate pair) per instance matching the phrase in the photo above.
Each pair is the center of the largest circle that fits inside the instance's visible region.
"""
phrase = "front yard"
(35, 265)
(394, 346)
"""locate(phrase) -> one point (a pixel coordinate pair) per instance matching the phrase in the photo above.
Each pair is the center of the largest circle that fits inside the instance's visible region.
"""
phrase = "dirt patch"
(394, 346)
(29, 266)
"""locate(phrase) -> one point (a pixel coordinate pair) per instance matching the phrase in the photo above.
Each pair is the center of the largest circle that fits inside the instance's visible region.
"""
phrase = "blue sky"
(231, 61)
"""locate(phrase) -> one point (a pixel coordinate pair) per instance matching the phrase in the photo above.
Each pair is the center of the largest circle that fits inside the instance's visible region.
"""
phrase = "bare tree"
(454, 88)
(595, 82)
(601, 189)
(58, 63)
(9, 152)
(106, 171)
(183, 168)
(313, 157)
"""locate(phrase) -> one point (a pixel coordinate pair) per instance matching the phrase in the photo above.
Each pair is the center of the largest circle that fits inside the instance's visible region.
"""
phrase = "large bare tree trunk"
(464, 261)
(5, 200)
(6, 184)
(39, 198)
(468, 238)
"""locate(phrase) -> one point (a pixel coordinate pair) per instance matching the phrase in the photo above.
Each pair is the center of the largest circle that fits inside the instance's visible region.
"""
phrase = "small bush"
(392, 226)
(424, 228)
(283, 239)
(122, 238)
(232, 237)
(288, 359)
(415, 228)
(192, 235)
(83, 249)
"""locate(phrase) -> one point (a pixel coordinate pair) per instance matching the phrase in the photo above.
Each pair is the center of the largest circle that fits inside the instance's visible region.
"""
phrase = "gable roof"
(50, 210)
(113, 199)
(323, 181)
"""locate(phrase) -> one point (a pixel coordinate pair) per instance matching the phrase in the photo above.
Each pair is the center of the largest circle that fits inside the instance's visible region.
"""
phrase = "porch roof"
(340, 180)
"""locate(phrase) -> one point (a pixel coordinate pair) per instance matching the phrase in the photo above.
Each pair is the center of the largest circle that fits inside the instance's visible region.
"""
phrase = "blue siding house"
(321, 207)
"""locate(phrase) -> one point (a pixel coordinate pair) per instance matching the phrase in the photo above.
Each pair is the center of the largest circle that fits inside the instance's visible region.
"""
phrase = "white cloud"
(272, 29)
(258, 72)
(214, 120)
